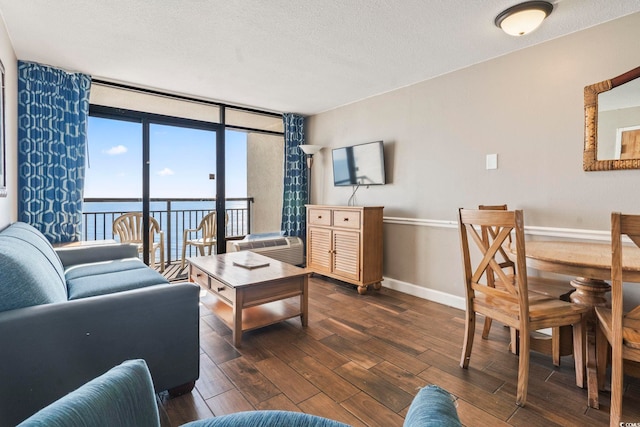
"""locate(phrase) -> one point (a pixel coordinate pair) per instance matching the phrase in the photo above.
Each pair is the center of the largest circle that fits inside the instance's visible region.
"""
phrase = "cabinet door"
(319, 249)
(346, 254)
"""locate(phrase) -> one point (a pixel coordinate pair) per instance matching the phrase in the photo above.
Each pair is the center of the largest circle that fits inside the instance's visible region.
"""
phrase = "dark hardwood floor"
(362, 359)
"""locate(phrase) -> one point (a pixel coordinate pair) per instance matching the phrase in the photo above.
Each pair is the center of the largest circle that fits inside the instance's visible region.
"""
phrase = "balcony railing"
(173, 215)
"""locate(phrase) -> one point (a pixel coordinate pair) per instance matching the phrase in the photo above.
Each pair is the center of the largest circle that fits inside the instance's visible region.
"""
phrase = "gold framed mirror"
(612, 123)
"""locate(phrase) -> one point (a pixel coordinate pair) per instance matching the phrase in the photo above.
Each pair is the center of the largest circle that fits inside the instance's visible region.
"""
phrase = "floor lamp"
(309, 151)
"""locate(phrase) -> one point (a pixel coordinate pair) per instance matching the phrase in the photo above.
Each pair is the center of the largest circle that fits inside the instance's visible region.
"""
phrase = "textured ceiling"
(283, 55)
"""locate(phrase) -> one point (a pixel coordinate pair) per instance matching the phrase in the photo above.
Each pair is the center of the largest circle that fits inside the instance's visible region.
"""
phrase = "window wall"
(165, 154)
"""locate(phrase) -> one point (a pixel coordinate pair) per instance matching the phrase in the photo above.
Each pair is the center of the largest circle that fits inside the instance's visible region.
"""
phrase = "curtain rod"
(181, 97)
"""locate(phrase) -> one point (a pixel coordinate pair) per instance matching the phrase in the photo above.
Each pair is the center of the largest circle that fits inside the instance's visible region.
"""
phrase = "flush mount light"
(523, 18)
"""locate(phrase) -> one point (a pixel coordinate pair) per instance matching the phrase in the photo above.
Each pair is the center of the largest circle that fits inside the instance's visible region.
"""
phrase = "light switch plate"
(492, 161)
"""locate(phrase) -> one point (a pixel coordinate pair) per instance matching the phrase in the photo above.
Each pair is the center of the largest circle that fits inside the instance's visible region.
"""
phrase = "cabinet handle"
(346, 219)
(220, 289)
(198, 274)
(319, 216)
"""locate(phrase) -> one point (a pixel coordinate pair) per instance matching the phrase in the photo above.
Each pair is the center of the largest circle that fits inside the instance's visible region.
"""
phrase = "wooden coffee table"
(251, 289)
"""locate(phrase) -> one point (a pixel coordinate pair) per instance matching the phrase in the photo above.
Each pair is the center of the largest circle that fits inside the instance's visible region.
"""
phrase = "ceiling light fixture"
(523, 18)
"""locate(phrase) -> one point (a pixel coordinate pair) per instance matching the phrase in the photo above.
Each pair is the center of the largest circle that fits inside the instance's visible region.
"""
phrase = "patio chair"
(128, 227)
(204, 235)
(510, 301)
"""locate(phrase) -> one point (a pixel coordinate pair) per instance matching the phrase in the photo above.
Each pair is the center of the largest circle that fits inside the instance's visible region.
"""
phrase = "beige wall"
(265, 160)
(527, 107)
(9, 205)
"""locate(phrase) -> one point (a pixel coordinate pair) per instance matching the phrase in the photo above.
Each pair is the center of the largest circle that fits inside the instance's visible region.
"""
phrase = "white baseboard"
(432, 295)
(425, 293)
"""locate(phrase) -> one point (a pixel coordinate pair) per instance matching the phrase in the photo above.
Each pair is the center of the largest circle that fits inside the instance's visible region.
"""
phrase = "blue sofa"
(68, 315)
(124, 397)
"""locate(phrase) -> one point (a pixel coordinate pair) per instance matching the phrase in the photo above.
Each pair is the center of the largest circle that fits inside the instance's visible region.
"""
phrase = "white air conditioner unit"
(285, 249)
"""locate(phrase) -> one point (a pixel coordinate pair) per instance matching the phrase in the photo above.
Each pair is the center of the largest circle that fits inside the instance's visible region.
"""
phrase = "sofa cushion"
(26, 277)
(95, 252)
(103, 267)
(113, 281)
(121, 397)
(33, 236)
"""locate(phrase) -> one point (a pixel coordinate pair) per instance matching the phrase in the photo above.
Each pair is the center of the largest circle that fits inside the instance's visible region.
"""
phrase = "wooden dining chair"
(204, 235)
(615, 328)
(128, 227)
(560, 337)
(510, 301)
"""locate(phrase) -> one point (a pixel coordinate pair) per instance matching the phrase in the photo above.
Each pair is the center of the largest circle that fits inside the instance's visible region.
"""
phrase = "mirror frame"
(590, 160)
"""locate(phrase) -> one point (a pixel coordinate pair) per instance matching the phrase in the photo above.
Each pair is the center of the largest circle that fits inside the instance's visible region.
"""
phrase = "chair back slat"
(630, 225)
(488, 266)
(490, 232)
(634, 238)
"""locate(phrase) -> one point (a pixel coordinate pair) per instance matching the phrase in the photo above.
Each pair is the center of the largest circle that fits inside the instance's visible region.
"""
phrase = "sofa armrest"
(86, 254)
(432, 407)
(123, 396)
(266, 418)
(49, 350)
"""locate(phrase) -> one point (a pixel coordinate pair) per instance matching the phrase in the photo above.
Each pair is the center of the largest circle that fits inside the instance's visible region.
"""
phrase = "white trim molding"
(437, 223)
(566, 233)
(459, 302)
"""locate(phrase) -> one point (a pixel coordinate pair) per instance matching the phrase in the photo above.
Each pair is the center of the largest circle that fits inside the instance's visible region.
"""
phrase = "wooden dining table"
(590, 263)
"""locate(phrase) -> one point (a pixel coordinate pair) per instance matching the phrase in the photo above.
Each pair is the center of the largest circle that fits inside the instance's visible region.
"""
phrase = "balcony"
(174, 216)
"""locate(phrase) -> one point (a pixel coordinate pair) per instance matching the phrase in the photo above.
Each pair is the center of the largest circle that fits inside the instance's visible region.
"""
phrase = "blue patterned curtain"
(295, 178)
(53, 109)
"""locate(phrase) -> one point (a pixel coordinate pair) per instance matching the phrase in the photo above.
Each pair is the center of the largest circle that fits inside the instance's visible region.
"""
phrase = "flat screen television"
(361, 164)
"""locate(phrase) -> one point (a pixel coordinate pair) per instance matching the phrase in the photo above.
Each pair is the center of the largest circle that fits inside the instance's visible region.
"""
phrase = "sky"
(181, 160)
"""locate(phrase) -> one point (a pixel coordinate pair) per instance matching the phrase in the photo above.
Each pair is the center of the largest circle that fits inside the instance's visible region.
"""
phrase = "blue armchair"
(124, 396)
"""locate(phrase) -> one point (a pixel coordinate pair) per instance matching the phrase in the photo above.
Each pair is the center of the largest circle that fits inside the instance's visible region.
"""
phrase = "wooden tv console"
(345, 243)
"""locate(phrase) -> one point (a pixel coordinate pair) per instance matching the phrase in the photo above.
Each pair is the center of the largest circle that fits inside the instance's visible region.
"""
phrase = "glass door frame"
(146, 120)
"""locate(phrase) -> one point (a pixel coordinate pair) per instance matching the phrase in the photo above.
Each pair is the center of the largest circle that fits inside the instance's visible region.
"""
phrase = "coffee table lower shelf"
(250, 298)
(257, 316)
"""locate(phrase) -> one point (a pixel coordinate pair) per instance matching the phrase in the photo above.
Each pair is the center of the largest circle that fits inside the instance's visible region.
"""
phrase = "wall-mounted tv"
(361, 164)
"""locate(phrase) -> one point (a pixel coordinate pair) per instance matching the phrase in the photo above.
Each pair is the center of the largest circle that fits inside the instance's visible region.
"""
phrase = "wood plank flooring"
(363, 358)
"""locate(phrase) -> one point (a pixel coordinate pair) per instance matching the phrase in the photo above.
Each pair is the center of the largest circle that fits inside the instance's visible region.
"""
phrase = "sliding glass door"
(162, 171)
(175, 159)
(113, 175)
(182, 188)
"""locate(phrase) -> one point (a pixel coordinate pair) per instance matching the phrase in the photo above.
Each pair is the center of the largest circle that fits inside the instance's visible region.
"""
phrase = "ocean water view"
(173, 216)
(180, 180)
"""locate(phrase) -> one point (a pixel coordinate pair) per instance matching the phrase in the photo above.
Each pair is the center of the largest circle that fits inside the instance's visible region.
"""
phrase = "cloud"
(118, 149)
(165, 172)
